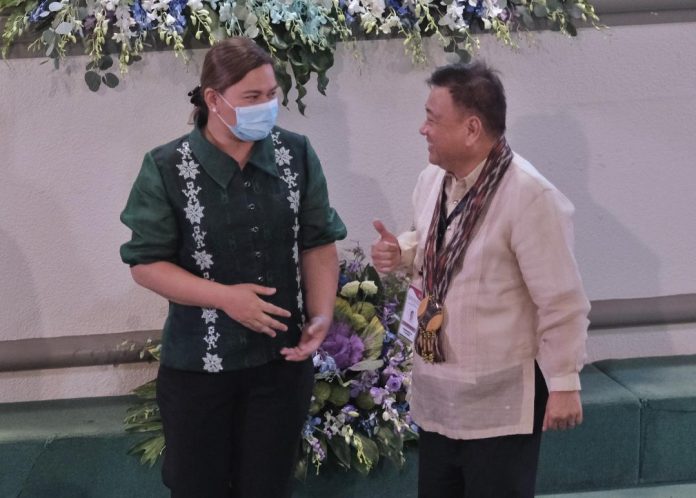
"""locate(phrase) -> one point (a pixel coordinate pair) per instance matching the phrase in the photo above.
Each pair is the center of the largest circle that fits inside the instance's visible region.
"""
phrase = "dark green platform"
(71, 449)
(603, 452)
(666, 387)
(640, 427)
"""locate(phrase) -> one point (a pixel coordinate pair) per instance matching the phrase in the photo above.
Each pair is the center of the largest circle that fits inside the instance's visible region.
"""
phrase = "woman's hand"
(243, 304)
(313, 335)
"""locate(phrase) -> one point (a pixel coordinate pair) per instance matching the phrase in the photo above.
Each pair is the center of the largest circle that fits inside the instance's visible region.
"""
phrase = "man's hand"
(313, 335)
(386, 253)
(563, 410)
(243, 304)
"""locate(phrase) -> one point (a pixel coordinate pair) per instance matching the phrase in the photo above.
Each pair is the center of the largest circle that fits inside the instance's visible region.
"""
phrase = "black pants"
(233, 434)
(498, 467)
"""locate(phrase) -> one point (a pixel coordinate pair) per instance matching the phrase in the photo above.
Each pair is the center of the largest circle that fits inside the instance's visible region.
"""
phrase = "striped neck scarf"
(441, 263)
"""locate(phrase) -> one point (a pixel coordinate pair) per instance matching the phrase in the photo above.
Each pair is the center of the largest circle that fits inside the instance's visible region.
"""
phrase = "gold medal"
(431, 315)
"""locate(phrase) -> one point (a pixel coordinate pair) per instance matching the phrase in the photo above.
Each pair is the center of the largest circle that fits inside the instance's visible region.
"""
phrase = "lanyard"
(445, 221)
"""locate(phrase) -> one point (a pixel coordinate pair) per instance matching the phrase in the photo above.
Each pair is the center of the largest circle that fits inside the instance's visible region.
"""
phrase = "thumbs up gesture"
(385, 253)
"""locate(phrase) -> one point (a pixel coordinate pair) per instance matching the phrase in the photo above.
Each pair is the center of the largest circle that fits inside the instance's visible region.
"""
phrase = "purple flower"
(377, 394)
(343, 345)
(363, 383)
(394, 383)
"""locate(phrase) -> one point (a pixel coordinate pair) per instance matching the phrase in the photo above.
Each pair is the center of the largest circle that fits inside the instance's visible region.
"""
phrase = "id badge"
(409, 319)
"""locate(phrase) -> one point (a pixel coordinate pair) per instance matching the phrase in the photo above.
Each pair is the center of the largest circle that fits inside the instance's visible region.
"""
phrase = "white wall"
(609, 117)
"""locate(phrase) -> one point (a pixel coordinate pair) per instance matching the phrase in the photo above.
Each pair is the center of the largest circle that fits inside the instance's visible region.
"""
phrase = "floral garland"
(358, 413)
(301, 35)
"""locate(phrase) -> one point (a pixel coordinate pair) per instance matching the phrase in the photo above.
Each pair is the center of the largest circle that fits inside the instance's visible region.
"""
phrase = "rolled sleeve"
(542, 240)
(320, 224)
(150, 216)
(408, 245)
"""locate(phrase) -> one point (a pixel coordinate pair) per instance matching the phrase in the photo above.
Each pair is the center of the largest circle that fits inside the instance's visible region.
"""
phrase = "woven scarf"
(440, 264)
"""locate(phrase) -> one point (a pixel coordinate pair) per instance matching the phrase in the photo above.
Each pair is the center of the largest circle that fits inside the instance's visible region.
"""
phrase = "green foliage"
(301, 35)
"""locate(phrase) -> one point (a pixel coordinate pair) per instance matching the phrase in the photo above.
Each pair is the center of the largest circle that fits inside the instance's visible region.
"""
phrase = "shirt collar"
(464, 184)
(222, 167)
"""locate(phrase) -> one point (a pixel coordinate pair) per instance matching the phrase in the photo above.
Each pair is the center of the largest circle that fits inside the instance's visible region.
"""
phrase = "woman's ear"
(211, 99)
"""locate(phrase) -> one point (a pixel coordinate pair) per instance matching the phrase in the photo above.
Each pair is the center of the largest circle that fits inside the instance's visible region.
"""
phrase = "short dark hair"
(476, 88)
(225, 64)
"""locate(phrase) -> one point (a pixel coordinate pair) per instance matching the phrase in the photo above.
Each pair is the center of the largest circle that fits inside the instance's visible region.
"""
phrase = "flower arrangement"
(301, 35)
(358, 413)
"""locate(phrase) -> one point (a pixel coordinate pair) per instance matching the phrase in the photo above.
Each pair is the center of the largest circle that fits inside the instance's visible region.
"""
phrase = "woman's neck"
(228, 143)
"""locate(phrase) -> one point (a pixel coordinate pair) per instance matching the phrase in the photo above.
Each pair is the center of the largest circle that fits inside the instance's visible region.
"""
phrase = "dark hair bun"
(196, 96)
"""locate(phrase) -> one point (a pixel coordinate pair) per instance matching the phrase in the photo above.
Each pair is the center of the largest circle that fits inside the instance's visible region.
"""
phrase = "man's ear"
(473, 129)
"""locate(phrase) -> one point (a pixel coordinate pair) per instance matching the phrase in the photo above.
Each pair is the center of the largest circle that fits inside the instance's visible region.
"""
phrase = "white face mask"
(254, 122)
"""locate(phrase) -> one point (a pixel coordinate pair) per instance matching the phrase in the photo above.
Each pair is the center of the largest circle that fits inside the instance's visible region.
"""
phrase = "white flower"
(355, 7)
(453, 18)
(282, 156)
(169, 20)
(188, 169)
(294, 199)
(375, 6)
(390, 22)
(350, 289)
(203, 259)
(195, 5)
(226, 12)
(194, 212)
(209, 315)
(492, 8)
(212, 363)
(368, 287)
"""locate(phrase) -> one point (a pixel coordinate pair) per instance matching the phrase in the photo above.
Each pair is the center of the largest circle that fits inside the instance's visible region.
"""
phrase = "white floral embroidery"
(192, 191)
(194, 211)
(212, 363)
(212, 338)
(203, 259)
(294, 199)
(289, 177)
(188, 169)
(282, 156)
(185, 150)
(209, 315)
(199, 237)
(276, 138)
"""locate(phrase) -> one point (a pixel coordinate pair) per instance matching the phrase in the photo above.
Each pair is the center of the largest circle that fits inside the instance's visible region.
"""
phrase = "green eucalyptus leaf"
(133, 58)
(322, 82)
(464, 55)
(341, 449)
(367, 365)
(540, 10)
(93, 80)
(362, 467)
(110, 80)
(370, 448)
(284, 81)
(106, 62)
(570, 28)
(452, 58)
(64, 28)
(48, 36)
